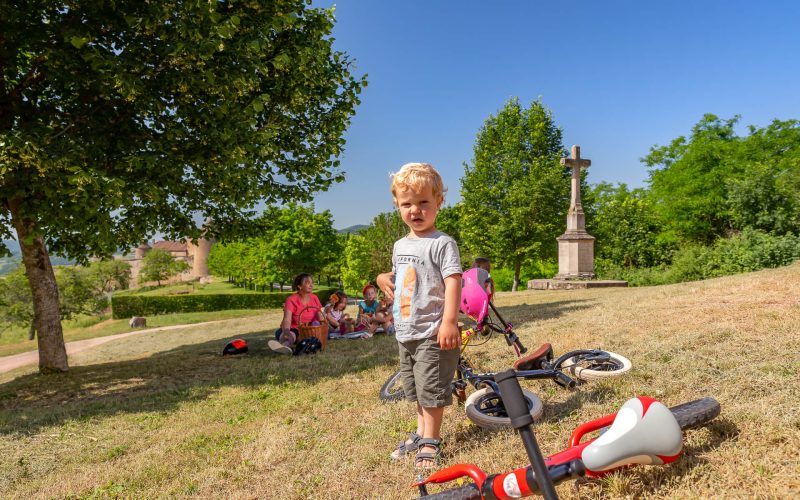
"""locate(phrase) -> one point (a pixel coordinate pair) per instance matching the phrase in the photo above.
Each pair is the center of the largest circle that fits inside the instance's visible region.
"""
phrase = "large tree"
(118, 120)
(296, 239)
(159, 265)
(515, 194)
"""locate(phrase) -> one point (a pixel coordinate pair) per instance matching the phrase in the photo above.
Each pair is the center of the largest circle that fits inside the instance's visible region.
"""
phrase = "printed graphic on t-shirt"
(407, 279)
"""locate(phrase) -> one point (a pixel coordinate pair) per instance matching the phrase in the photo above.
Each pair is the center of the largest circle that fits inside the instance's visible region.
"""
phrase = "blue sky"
(619, 77)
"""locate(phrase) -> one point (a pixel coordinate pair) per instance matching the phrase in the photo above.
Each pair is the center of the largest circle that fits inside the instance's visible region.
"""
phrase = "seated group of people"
(304, 307)
(373, 315)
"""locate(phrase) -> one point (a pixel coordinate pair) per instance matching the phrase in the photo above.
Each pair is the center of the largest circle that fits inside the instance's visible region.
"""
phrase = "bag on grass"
(237, 346)
(308, 346)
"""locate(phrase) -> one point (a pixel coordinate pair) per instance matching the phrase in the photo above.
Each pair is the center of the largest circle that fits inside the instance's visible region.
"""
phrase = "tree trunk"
(47, 319)
(515, 285)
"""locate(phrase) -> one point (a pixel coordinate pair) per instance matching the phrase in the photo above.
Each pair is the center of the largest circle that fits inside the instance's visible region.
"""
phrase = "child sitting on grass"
(373, 314)
(339, 322)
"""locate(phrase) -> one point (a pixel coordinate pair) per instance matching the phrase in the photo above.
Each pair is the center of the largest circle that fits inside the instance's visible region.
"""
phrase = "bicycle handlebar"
(521, 420)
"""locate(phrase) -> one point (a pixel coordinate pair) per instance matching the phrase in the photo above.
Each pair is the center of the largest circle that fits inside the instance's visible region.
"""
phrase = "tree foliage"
(449, 222)
(379, 238)
(82, 290)
(357, 261)
(158, 265)
(121, 120)
(626, 227)
(292, 240)
(716, 183)
(16, 303)
(515, 194)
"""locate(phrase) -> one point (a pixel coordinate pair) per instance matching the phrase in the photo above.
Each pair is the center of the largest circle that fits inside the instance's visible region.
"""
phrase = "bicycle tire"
(468, 492)
(616, 366)
(696, 413)
(392, 389)
(494, 418)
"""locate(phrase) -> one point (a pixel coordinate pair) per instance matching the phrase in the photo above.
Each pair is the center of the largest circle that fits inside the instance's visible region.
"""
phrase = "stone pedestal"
(575, 256)
(542, 284)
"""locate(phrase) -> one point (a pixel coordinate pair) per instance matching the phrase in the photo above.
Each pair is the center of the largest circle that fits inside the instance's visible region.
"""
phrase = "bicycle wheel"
(485, 408)
(587, 367)
(392, 390)
(468, 492)
(696, 413)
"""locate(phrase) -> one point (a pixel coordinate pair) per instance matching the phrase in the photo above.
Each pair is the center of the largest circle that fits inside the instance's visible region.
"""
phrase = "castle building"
(196, 255)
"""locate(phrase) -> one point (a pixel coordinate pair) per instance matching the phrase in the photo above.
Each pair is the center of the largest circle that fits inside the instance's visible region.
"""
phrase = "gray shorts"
(427, 372)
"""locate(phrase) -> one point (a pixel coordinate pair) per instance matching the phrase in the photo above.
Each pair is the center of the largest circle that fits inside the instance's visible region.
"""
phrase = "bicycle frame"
(465, 373)
(572, 462)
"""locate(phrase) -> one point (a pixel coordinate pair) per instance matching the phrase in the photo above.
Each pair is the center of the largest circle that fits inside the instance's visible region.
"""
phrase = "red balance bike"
(643, 431)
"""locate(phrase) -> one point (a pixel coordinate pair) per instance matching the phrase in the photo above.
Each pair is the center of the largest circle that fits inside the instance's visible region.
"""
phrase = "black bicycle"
(485, 406)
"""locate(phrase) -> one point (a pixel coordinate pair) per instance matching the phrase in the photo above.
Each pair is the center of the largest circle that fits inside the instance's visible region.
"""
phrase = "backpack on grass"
(308, 346)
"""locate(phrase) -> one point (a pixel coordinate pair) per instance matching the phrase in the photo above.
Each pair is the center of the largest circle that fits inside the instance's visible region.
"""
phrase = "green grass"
(165, 415)
(16, 341)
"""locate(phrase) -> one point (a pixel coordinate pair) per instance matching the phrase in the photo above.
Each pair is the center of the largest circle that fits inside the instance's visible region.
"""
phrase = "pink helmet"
(474, 300)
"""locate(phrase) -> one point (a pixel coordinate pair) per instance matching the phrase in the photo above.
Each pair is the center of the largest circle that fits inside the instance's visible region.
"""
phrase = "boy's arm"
(385, 282)
(449, 337)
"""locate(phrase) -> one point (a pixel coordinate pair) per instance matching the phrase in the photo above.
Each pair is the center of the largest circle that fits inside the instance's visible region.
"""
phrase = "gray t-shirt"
(420, 266)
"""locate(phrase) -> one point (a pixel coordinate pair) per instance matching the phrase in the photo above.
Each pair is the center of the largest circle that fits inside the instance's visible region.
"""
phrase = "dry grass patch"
(165, 415)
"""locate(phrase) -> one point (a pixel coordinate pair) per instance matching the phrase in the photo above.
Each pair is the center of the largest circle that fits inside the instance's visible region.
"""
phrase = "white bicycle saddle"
(643, 432)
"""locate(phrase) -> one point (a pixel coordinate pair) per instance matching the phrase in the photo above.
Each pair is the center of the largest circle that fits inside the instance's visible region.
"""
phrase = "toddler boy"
(425, 286)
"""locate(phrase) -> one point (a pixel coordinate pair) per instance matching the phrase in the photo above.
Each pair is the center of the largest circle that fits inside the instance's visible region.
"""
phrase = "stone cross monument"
(576, 246)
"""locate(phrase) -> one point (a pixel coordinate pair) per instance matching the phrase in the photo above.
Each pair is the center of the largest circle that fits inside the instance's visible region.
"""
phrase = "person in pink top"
(300, 307)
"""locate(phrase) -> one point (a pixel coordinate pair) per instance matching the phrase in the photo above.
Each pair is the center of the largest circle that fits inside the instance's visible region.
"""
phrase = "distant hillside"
(8, 264)
(353, 229)
(12, 245)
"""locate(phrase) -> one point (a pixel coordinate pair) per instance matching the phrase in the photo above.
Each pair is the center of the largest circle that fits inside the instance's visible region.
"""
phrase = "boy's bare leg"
(431, 428)
(420, 421)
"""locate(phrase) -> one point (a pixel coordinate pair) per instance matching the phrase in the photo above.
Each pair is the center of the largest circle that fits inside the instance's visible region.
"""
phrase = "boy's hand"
(449, 336)
(385, 282)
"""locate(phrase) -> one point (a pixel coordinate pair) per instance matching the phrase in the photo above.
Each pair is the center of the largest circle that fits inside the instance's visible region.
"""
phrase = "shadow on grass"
(192, 372)
(522, 314)
(168, 379)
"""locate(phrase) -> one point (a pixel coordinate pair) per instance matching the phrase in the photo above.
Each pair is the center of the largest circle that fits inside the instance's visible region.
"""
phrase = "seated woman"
(300, 307)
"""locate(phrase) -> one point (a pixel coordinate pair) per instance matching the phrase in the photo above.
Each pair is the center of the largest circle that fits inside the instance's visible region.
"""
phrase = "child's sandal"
(405, 448)
(433, 456)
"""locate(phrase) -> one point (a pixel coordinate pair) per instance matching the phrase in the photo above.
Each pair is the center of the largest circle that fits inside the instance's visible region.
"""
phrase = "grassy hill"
(165, 415)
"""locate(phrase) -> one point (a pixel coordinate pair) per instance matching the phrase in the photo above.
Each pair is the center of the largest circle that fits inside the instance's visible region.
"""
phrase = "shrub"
(749, 251)
(126, 306)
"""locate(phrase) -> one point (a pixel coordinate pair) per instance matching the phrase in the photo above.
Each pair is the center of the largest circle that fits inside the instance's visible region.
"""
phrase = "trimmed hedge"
(126, 306)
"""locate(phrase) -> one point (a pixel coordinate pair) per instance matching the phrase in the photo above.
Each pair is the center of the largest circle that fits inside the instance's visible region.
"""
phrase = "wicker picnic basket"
(308, 330)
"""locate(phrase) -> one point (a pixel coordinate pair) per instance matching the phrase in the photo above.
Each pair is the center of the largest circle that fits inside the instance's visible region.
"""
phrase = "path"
(9, 363)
